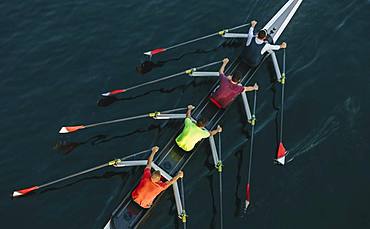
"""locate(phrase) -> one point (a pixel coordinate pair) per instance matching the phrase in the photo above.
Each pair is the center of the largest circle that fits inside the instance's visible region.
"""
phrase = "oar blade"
(114, 92)
(154, 51)
(281, 154)
(247, 196)
(70, 129)
(25, 191)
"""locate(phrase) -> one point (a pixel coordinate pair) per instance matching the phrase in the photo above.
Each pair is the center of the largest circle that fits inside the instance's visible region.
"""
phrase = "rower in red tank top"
(229, 88)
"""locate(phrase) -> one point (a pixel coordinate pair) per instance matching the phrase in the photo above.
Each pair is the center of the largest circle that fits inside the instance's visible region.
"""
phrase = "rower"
(258, 45)
(194, 132)
(229, 87)
(150, 185)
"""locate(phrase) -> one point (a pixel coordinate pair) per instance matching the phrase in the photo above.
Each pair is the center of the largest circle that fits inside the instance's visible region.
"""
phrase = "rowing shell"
(172, 159)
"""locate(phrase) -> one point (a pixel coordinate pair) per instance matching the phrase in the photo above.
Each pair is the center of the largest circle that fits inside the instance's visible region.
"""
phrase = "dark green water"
(58, 56)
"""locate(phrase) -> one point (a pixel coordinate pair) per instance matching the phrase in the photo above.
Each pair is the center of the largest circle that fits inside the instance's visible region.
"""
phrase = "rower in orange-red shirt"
(150, 185)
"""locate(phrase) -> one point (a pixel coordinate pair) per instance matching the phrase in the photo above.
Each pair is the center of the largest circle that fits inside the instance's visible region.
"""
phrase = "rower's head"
(202, 122)
(262, 34)
(236, 77)
(156, 176)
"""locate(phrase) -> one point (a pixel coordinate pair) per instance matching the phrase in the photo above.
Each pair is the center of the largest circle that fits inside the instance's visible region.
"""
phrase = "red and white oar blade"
(281, 154)
(114, 92)
(70, 129)
(25, 191)
(247, 196)
(154, 51)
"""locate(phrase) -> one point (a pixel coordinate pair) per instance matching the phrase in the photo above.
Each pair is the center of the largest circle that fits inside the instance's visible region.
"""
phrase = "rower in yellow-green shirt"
(193, 132)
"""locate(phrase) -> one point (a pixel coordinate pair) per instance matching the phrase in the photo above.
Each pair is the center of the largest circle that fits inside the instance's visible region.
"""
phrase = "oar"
(219, 33)
(282, 152)
(26, 191)
(248, 186)
(219, 167)
(188, 72)
(155, 115)
(183, 214)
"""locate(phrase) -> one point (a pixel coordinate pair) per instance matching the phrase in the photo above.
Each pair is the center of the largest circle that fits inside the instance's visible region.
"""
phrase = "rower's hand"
(219, 129)
(225, 60)
(180, 174)
(255, 86)
(190, 107)
(283, 45)
(155, 149)
(253, 23)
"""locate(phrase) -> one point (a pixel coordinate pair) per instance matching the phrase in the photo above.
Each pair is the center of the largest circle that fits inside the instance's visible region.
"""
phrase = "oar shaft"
(90, 170)
(203, 37)
(192, 41)
(219, 147)
(132, 118)
(117, 120)
(221, 203)
(170, 76)
(220, 180)
(182, 193)
(155, 81)
(282, 99)
(252, 138)
(74, 175)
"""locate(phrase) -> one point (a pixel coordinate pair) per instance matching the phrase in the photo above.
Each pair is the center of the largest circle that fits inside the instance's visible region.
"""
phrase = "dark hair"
(262, 34)
(237, 76)
(202, 122)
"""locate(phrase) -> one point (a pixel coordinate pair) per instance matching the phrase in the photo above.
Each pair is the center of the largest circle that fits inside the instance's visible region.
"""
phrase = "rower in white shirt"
(256, 45)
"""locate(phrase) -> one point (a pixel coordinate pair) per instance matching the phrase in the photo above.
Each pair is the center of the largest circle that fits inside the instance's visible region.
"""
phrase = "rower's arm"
(224, 63)
(251, 88)
(174, 179)
(269, 47)
(250, 36)
(151, 157)
(216, 131)
(188, 112)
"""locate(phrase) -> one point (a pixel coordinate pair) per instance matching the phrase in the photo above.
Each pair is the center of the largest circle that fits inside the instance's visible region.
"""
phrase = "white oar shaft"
(276, 65)
(131, 163)
(176, 193)
(170, 116)
(213, 150)
(246, 106)
(183, 213)
(200, 74)
(235, 35)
